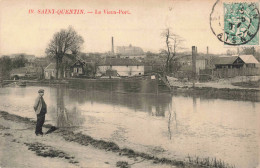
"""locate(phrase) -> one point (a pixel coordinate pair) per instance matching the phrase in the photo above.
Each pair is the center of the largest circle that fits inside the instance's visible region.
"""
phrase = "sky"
(21, 32)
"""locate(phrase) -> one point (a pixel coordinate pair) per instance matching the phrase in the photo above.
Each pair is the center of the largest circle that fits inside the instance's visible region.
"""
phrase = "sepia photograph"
(129, 84)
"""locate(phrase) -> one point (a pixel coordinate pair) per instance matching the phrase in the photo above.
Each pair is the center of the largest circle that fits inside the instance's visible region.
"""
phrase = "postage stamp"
(235, 23)
(241, 23)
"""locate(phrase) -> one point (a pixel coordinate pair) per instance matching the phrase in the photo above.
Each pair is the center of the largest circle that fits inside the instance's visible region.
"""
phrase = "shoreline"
(203, 92)
(105, 146)
(219, 93)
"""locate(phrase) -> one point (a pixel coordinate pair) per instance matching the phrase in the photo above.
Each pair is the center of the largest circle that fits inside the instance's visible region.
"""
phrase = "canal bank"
(208, 90)
(64, 148)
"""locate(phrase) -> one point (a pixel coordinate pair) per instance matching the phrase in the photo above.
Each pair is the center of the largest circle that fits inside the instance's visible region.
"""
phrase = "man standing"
(40, 109)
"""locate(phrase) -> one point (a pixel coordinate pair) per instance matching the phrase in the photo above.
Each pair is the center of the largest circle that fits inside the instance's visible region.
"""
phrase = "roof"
(51, 66)
(224, 60)
(120, 62)
(27, 69)
(249, 59)
(19, 70)
(79, 61)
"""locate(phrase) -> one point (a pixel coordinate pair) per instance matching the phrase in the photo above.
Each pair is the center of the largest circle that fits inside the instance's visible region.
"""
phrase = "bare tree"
(173, 44)
(66, 41)
(248, 50)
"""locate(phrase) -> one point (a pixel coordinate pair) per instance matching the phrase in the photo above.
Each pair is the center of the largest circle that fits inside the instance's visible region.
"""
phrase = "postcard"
(129, 83)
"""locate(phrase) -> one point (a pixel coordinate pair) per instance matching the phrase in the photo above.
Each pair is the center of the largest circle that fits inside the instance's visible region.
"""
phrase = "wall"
(123, 70)
(49, 73)
(200, 64)
(228, 73)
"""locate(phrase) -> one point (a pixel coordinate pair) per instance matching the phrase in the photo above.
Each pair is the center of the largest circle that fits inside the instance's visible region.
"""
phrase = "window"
(80, 70)
(75, 70)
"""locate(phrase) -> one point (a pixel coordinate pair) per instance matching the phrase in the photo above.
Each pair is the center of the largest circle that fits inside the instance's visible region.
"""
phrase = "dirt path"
(20, 147)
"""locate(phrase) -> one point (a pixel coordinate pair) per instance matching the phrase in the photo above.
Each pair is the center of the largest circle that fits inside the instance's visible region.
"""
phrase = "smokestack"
(194, 53)
(112, 45)
(207, 50)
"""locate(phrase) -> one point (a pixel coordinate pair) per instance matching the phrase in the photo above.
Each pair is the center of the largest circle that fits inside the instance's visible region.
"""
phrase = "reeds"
(209, 162)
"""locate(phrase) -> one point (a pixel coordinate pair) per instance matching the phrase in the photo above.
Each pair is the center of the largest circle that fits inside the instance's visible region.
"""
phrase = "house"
(248, 61)
(225, 62)
(235, 61)
(26, 72)
(78, 68)
(50, 71)
(18, 73)
(185, 62)
(121, 67)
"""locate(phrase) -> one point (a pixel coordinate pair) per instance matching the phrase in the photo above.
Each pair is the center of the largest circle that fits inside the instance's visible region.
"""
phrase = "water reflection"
(67, 114)
(172, 118)
(155, 105)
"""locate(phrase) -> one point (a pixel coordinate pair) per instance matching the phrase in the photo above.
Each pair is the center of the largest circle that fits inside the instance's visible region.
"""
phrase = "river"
(164, 125)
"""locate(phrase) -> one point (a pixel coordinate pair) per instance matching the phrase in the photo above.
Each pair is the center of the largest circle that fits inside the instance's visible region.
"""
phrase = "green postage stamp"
(241, 23)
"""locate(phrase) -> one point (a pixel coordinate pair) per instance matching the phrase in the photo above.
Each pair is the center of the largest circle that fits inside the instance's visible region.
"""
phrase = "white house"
(50, 71)
(122, 67)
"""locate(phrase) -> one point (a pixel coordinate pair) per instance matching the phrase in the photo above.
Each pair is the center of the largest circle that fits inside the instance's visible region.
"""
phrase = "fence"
(229, 73)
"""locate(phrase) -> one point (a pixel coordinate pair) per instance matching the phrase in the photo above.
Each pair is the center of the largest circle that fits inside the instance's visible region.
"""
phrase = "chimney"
(194, 53)
(207, 50)
(112, 46)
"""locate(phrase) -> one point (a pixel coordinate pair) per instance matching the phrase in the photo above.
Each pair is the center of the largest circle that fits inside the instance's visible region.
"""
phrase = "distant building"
(26, 72)
(248, 60)
(78, 68)
(50, 71)
(121, 67)
(200, 64)
(185, 62)
(130, 52)
(235, 61)
(18, 73)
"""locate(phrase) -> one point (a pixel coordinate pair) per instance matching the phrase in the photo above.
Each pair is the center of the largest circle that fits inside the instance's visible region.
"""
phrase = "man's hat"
(41, 91)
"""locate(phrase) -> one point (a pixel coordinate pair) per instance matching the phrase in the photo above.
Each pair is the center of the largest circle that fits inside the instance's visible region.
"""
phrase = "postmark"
(217, 20)
(235, 23)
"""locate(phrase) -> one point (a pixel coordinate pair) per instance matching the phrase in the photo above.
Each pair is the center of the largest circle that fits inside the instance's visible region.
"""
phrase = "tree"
(64, 42)
(248, 50)
(5, 67)
(19, 61)
(173, 44)
(231, 52)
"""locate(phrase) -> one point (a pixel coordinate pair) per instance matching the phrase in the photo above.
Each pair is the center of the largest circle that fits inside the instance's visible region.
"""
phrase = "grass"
(209, 162)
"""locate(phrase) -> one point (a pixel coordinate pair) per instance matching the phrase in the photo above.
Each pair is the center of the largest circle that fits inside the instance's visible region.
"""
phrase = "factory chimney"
(112, 46)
